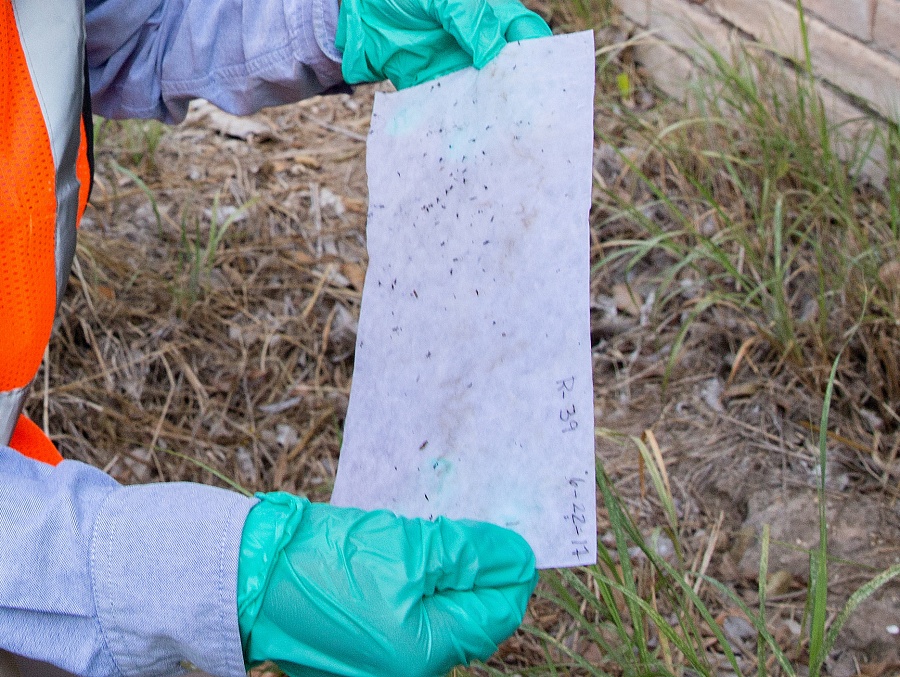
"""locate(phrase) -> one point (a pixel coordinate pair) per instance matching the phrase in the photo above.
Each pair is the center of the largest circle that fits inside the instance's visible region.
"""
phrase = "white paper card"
(472, 393)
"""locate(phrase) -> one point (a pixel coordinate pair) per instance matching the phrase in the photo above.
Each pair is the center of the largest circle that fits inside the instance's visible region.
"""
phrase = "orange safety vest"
(44, 185)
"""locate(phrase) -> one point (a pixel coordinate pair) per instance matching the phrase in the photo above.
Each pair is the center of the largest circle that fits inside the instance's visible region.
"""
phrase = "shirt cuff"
(164, 563)
(316, 46)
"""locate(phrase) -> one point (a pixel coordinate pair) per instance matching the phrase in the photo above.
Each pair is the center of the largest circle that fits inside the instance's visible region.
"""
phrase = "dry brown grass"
(242, 361)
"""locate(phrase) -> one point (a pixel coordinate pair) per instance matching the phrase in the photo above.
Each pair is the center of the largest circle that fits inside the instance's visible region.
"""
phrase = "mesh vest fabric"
(29, 231)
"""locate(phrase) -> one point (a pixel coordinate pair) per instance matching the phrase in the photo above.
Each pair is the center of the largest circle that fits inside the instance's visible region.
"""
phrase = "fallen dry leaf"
(356, 273)
(889, 274)
(227, 124)
(627, 300)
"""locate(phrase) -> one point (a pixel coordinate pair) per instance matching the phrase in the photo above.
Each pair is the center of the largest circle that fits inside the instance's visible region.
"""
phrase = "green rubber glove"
(339, 591)
(411, 41)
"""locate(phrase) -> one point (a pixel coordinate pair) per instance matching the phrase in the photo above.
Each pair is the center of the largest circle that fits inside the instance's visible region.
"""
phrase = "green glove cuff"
(270, 526)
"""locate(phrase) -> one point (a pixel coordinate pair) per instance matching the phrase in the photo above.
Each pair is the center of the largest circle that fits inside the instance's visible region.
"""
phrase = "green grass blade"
(575, 657)
(624, 528)
(818, 574)
(758, 623)
(558, 580)
(659, 486)
(230, 482)
(688, 649)
(145, 189)
(763, 576)
(855, 600)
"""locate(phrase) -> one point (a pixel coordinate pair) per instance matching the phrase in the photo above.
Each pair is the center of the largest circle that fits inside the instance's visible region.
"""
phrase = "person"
(100, 579)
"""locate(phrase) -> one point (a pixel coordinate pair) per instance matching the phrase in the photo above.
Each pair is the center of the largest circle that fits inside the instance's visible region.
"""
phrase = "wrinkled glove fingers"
(470, 625)
(474, 26)
(483, 27)
(465, 554)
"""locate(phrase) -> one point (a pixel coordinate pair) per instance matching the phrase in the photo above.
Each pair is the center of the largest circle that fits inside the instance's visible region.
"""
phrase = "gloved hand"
(411, 41)
(324, 590)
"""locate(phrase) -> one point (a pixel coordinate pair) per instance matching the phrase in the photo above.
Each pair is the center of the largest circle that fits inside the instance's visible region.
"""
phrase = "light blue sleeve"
(102, 579)
(149, 58)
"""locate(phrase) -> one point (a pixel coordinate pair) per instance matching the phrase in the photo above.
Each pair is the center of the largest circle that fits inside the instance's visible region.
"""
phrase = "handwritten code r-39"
(567, 410)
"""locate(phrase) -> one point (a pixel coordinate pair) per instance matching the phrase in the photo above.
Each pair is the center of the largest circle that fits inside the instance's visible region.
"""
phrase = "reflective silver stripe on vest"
(10, 408)
(52, 37)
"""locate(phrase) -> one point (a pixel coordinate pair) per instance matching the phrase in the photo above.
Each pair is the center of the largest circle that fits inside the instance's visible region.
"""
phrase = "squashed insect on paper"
(472, 393)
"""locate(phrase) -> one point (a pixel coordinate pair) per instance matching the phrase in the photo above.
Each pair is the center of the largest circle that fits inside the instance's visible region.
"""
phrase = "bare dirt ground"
(177, 357)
